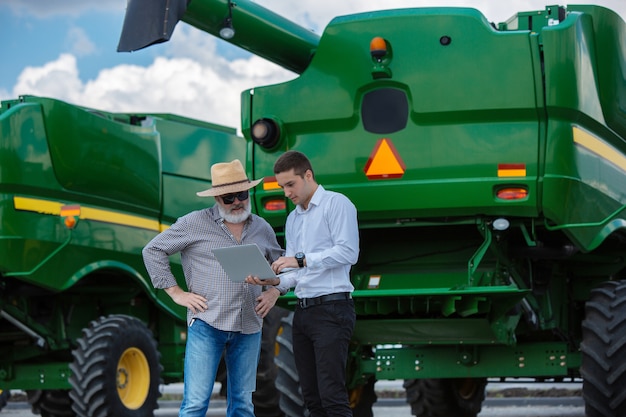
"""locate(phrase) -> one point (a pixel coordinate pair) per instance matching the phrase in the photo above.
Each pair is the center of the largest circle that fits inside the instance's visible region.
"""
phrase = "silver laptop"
(239, 261)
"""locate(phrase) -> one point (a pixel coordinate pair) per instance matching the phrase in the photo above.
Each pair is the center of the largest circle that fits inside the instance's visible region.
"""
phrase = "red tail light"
(275, 205)
(512, 193)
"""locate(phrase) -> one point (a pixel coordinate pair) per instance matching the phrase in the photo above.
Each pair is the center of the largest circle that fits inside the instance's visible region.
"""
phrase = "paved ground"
(389, 408)
(493, 387)
(541, 400)
(511, 388)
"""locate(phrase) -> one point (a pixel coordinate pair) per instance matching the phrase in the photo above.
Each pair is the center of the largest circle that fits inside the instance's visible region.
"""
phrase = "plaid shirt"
(230, 304)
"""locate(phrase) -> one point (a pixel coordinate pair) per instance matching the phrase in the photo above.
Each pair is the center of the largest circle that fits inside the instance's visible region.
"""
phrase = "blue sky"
(66, 49)
(33, 40)
(35, 32)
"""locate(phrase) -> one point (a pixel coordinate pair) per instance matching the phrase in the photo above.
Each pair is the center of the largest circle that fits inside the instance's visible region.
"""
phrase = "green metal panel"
(189, 148)
(36, 376)
(450, 114)
(433, 272)
(581, 79)
(604, 42)
(476, 109)
(120, 178)
(98, 154)
(529, 360)
(24, 157)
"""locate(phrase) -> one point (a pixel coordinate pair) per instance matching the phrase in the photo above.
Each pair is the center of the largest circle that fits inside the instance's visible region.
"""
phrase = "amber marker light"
(270, 183)
(70, 214)
(512, 193)
(378, 48)
(273, 203)
(70, 222)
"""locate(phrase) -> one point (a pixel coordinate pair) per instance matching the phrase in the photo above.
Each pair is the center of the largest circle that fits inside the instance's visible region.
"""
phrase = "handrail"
(44, 261)
(591, 224)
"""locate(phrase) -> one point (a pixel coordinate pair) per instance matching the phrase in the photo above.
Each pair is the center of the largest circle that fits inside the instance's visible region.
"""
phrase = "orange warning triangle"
(384, 161)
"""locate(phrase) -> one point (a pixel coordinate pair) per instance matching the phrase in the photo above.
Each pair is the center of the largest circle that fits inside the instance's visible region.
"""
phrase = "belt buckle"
(302, 302)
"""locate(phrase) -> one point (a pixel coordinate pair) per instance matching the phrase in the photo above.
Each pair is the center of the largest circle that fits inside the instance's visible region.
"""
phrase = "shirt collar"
(315, 200)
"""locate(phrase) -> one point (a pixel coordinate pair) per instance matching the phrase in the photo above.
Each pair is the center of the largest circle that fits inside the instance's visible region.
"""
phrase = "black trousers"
(321, 336)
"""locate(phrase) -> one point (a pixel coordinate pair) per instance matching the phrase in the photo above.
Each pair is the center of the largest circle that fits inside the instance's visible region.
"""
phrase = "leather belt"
(315, 301)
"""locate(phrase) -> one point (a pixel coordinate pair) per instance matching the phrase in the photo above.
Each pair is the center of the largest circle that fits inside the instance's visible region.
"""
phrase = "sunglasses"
(230, 198)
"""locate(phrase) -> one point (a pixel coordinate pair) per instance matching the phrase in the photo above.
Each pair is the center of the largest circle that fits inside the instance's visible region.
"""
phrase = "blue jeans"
(205, 345)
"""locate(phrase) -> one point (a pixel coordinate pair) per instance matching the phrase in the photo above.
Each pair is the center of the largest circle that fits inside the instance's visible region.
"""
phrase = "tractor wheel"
(50, 403)
(287, 380)
(445, 397)
(4, 398)
(603, 350)
(116, 370)
(362, 398)
(266, 398)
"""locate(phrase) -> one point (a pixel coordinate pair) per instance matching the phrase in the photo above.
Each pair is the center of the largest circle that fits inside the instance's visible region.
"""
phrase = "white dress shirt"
(327, 233)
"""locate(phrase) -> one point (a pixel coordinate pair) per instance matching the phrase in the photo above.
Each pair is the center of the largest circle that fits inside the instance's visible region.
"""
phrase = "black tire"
(266, 398)
(445, 397)
(50, 403)
(116, 370)
(287, 379)
(363, 398)
(221, 377)
(4, 398)
(603, 350)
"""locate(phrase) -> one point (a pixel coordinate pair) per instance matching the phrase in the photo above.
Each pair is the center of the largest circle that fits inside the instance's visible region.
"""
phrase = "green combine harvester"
(487, 163)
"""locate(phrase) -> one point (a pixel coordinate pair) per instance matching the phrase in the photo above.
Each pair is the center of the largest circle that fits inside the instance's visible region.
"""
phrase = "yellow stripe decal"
(599, 147)
(118, 218)
(38, 206)
(87, 213)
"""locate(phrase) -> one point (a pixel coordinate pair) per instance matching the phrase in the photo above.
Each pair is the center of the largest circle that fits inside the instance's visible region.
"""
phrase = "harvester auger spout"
(256, 29)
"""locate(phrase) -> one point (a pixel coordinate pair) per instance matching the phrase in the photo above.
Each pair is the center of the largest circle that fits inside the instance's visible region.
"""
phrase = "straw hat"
(228, 177)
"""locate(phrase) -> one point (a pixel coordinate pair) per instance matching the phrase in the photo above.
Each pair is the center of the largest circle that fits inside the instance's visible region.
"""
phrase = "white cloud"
(169, 85)
(182, 86)
(55, 79)
(189, 42)
(79, 43)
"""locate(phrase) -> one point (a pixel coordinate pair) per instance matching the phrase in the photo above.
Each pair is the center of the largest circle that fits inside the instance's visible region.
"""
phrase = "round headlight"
(265, 132)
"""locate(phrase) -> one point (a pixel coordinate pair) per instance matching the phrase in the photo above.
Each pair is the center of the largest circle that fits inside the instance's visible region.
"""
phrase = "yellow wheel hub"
(133, 378)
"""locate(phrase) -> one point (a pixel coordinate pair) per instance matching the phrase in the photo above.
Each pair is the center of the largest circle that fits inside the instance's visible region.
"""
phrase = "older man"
(220, 313)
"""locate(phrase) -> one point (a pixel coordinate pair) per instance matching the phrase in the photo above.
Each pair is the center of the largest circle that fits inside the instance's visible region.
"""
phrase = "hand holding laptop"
(241, 262)
(280, 267)
(250, 279)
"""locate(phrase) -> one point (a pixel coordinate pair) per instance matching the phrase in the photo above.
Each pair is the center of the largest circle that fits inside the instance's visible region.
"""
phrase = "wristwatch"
(300, 258)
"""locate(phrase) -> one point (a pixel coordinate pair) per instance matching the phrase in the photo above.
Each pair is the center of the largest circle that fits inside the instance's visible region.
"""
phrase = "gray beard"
(234, 218)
